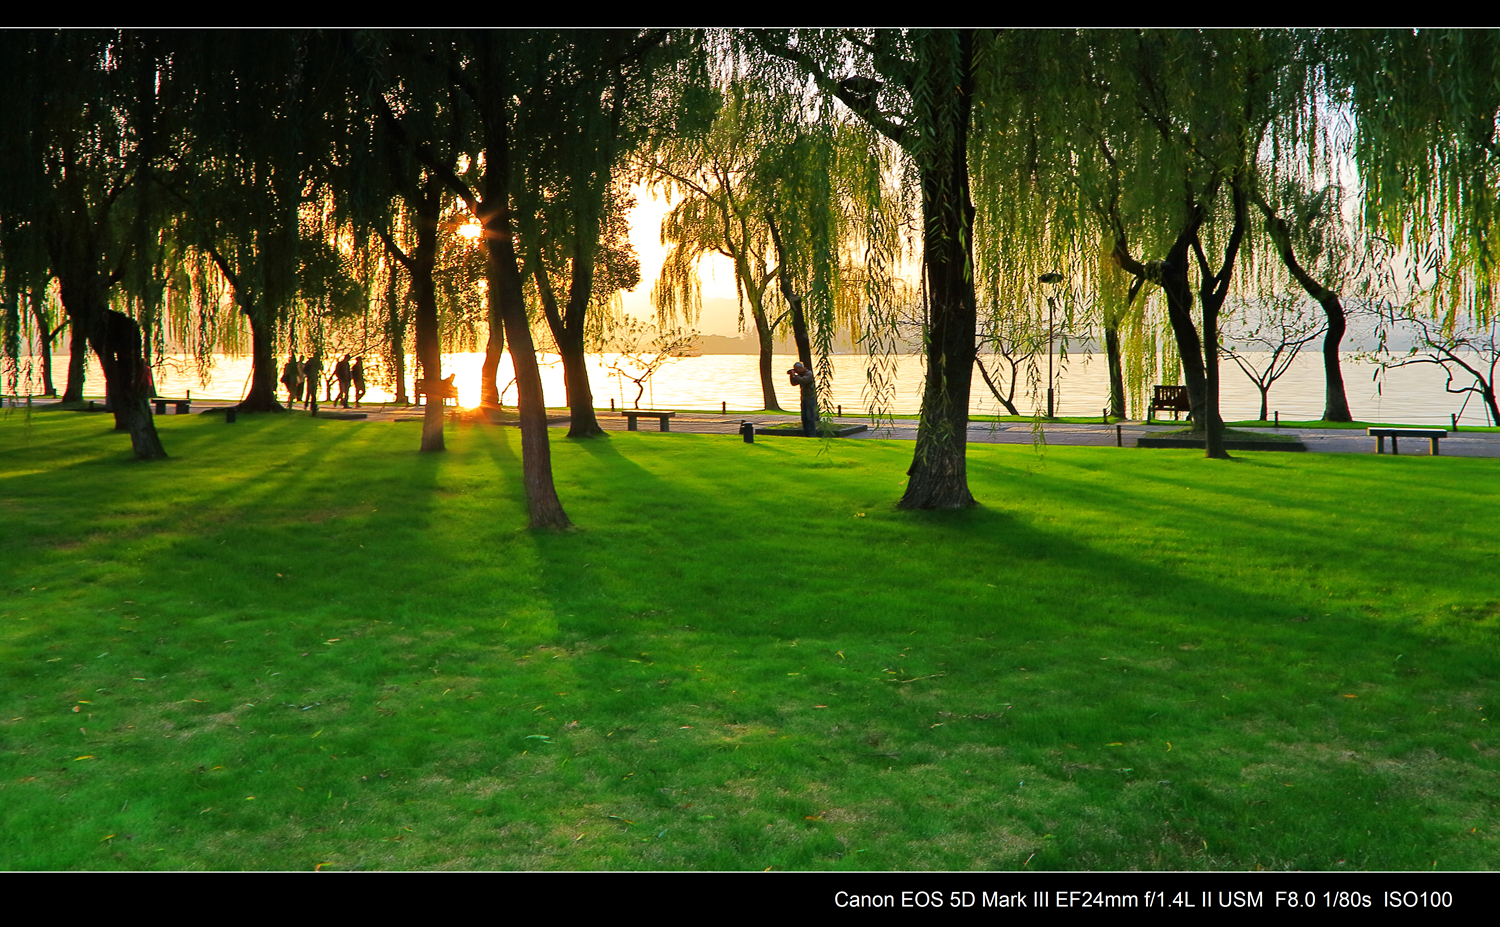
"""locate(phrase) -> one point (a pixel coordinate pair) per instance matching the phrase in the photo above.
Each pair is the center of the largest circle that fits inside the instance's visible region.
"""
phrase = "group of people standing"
(301, 377)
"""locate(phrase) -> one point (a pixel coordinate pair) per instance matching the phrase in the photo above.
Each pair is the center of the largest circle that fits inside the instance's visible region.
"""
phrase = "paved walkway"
(1344, 441)
(1333, 440)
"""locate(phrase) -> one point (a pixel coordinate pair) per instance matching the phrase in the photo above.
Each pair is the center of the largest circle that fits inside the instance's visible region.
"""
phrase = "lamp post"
(1051, 329)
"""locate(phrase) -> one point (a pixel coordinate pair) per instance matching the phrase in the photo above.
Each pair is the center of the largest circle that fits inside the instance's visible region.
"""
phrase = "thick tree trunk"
(584, 423)
(263, 382)
(116, 340)
(78, 357)
(507, 305)
(1213, 432)
(939, 470)
(938, 477)
(1179, 295)
(506, 300)
(1116, 372)
(429, 346)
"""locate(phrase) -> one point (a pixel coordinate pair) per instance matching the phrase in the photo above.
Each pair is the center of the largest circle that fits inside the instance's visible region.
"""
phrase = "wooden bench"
(1433, 436)
(441, 390)
(183, 405)
(632, 414)
(1172, 399)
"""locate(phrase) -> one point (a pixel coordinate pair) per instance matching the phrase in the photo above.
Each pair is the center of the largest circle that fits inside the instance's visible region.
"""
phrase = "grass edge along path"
(298, 643)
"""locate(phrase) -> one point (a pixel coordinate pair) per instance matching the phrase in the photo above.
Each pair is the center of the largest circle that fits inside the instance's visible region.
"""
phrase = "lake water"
(1413, 395)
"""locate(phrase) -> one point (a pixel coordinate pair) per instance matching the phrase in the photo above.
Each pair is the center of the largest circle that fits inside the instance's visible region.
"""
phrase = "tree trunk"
(263, 382)
(395, 327)
(507, 304)
(1179, 295)
(799, 331)
(505, 296)
(1335, 401)
(584, 422)
(567, 333)
(1213, 431)
(494, 348)
(44, 338)
(116, 339)
(939, 471)
(429, 346)
(1116, 372)
(78, 356)
(767, 347)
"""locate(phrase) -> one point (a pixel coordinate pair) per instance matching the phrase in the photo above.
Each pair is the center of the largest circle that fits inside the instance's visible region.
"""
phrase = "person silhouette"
(342, 373)
(357, 372)
(312, 372)
(291, 378)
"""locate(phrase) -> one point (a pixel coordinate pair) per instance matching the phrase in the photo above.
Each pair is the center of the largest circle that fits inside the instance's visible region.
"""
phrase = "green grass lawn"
(299, 642)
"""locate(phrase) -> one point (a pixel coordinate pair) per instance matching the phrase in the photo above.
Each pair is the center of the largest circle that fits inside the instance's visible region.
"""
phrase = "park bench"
(441, 390)
(632, 414)
(1433, 436)
(183, 405)
(1172, 399)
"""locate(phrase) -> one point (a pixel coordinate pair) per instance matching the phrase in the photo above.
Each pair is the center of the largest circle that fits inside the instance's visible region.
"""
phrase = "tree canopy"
(175, 184)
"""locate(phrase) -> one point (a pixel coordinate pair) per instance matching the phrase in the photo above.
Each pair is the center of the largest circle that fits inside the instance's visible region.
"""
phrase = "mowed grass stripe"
(300, 642)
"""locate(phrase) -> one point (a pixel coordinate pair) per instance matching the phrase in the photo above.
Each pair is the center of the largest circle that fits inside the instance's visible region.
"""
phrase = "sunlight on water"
(1413, 395)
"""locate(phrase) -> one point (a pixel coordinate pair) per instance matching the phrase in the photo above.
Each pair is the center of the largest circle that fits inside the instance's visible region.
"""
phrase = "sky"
(716, 273)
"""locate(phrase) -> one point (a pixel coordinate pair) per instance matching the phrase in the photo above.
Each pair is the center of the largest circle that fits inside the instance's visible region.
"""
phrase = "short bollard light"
(747, 431)
(229, 415)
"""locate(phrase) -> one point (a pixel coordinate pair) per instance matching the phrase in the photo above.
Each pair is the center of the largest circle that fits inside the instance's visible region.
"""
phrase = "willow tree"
(386, 188)
(81, 122)
(492, 71)
(917, 90)
(716, 212)
(592, 99)
(1426, 106)
(788, 199)
(25, 286)
(1161, 137)
(252, 179)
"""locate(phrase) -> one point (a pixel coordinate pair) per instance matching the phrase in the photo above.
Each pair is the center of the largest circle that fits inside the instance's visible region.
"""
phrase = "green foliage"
(1424, 106)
